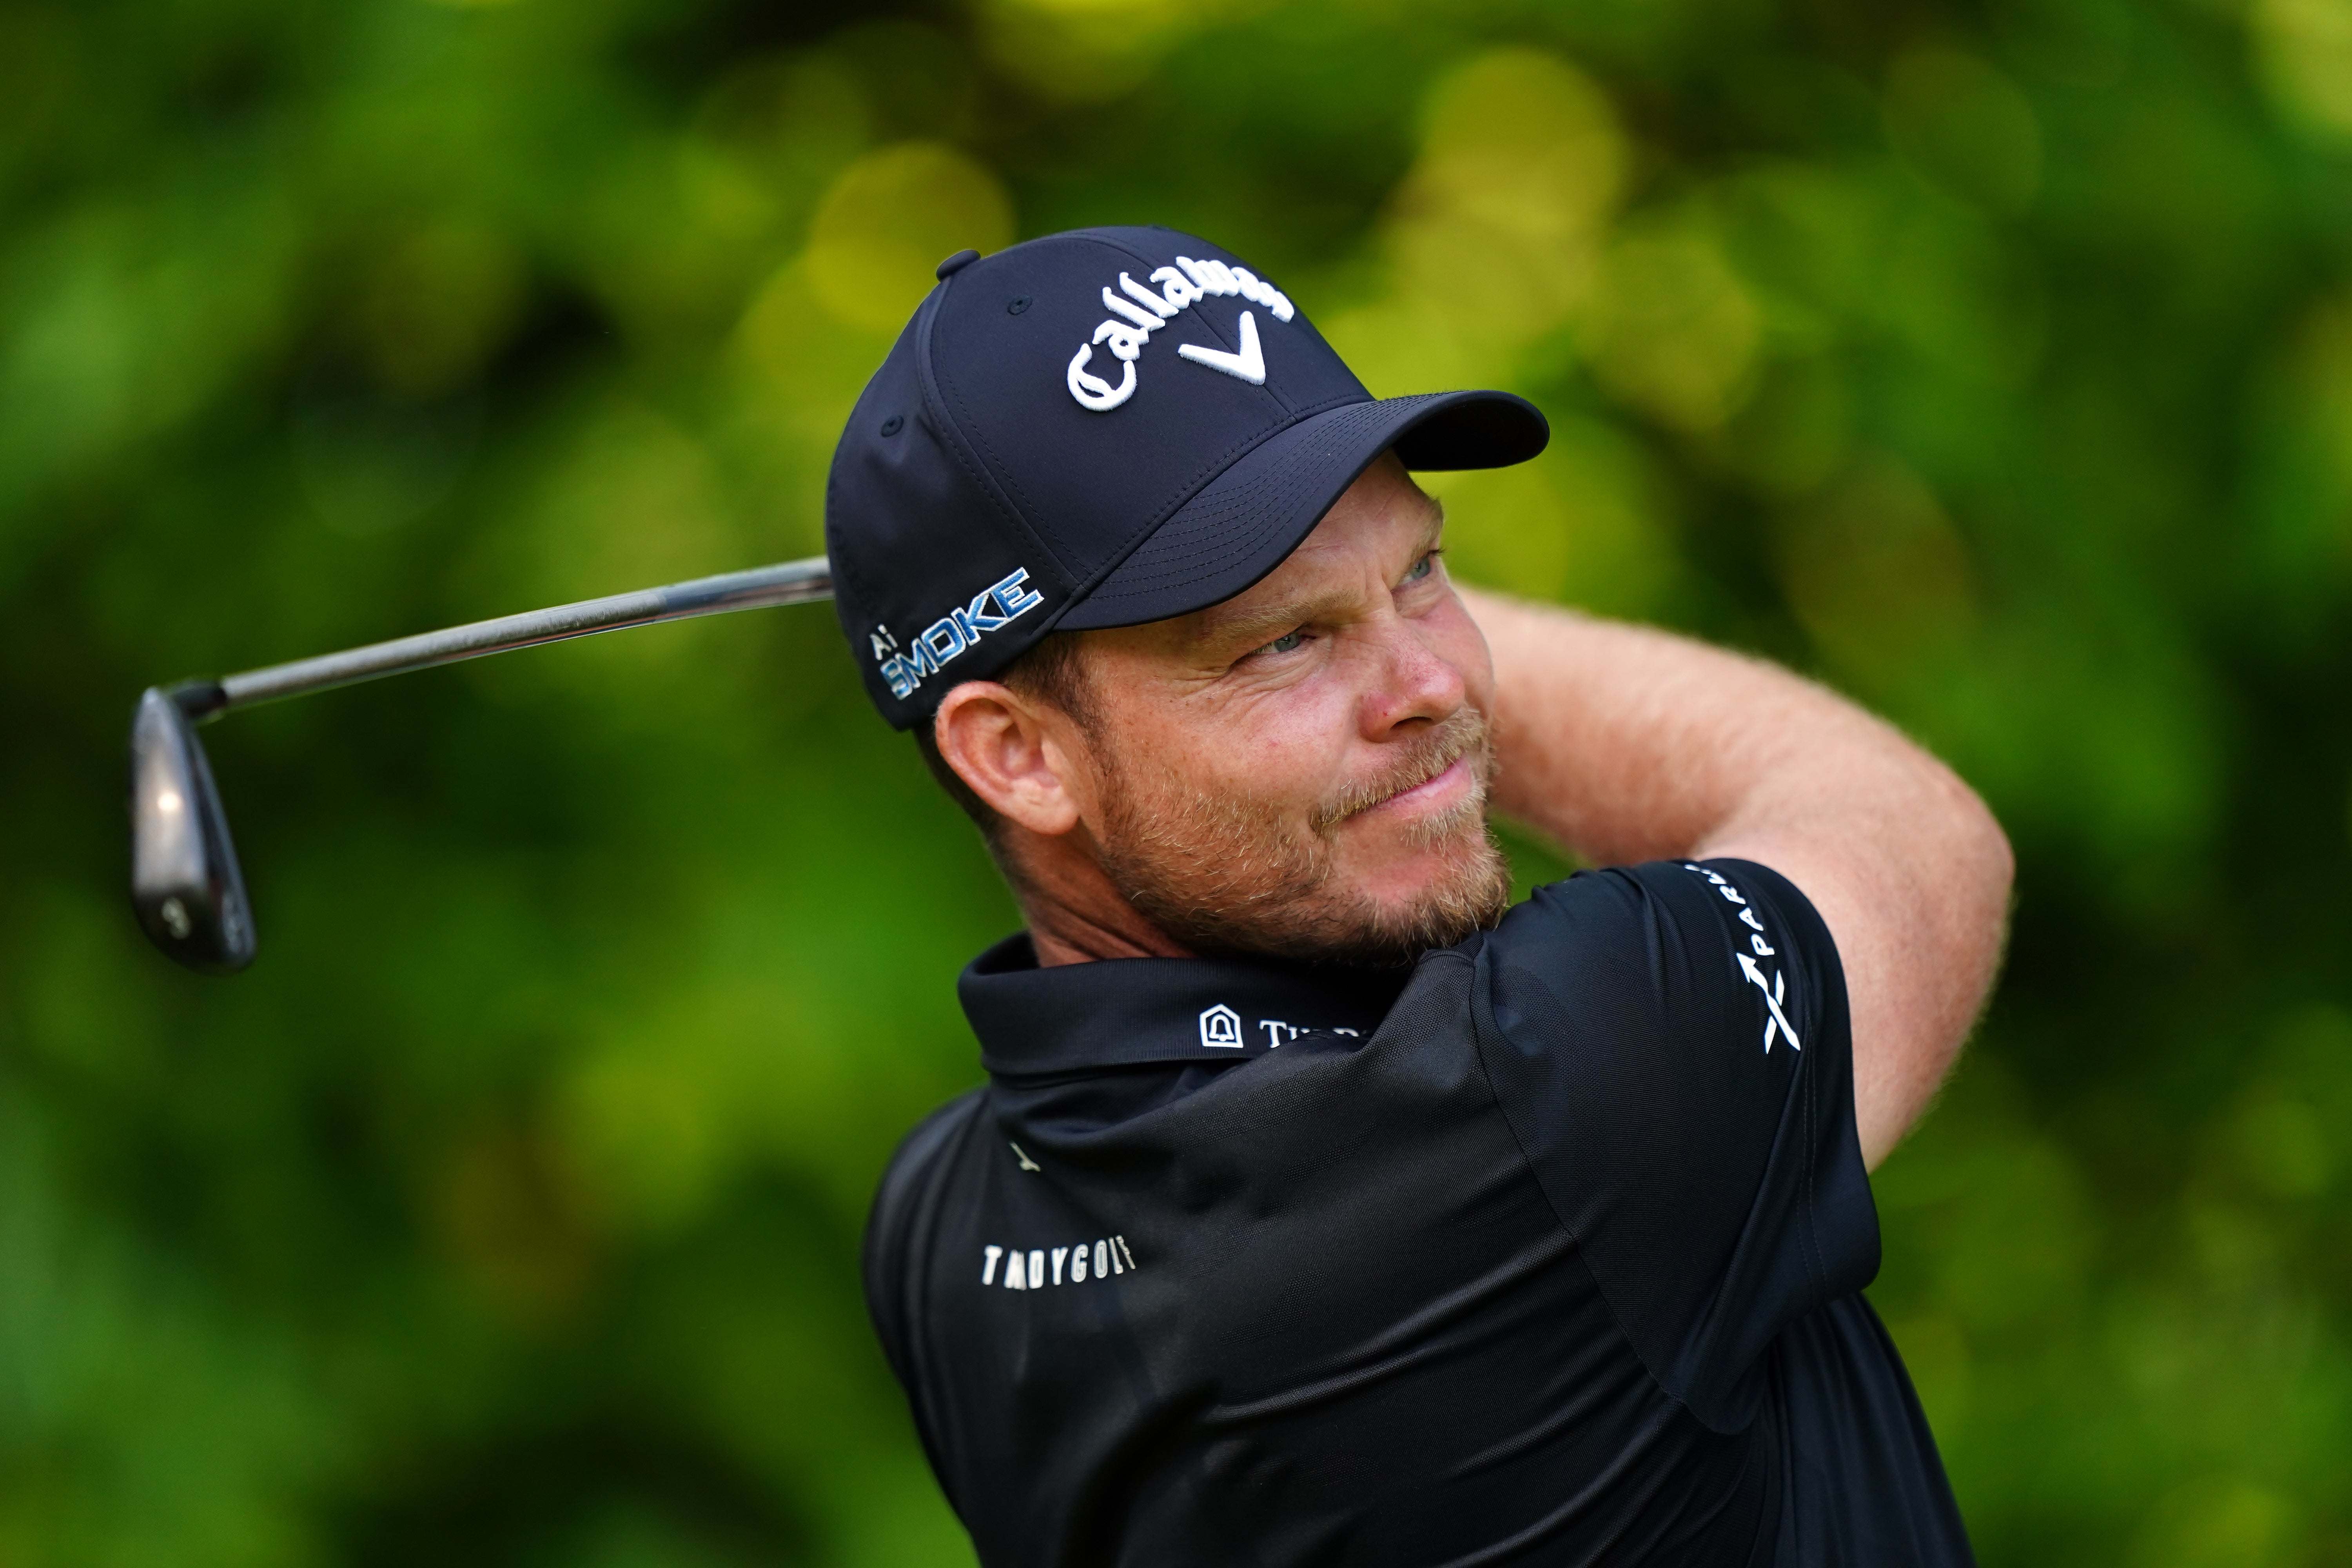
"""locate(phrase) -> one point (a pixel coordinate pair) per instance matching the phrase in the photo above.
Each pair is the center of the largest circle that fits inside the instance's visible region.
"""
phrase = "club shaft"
(789, 582)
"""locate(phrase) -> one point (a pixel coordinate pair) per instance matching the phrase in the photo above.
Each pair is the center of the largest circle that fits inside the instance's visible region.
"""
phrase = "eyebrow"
(1264, 624)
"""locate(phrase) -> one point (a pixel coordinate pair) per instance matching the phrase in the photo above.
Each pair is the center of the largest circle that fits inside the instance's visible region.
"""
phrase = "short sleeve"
(1670, 1045)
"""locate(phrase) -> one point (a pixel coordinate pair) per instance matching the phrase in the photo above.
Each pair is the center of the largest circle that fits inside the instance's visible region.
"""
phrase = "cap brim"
(1246, 521)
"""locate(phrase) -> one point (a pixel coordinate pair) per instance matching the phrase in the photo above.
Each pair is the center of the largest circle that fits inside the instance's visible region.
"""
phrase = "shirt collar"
(1124, 1012)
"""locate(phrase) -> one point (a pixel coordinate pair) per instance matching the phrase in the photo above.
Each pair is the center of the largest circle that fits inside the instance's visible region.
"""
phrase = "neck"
(1073, 913)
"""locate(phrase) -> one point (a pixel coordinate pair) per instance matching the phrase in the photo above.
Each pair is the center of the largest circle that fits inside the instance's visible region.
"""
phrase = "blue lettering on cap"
(952, 634)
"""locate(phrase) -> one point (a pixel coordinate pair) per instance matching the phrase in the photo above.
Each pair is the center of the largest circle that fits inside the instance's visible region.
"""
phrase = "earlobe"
(1003, 748)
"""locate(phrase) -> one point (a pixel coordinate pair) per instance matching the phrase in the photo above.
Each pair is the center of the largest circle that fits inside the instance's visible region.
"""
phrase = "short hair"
(1051, 672)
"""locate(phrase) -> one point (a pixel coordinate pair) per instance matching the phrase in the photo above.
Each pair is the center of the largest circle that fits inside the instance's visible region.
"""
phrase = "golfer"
(1321, 1206)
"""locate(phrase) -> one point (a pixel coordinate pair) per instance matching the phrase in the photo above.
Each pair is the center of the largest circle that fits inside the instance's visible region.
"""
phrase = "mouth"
(1440, 792)
(1421, 793)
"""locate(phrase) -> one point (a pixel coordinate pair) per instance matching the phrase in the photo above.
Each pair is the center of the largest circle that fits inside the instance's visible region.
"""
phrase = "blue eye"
(1421, 568)
(1286, 642)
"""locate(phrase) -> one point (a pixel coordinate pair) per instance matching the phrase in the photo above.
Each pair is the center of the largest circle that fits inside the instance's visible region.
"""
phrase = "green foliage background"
(1992, 362)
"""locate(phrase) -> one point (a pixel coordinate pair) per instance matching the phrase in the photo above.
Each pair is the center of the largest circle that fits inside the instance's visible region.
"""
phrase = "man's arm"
(1626, 744)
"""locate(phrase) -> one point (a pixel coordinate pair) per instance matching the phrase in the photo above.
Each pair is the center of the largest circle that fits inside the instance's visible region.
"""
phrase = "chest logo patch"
(1029, 1270)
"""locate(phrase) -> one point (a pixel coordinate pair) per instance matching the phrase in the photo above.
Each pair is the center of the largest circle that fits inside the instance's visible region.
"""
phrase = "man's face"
(1303, 769)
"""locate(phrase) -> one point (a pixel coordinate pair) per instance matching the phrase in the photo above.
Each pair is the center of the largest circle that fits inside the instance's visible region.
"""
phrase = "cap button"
(958, 262)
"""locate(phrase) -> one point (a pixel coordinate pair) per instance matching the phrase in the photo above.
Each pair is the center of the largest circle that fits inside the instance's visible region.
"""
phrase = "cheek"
(1455, 638)
(1291, 764)
(1287, 749)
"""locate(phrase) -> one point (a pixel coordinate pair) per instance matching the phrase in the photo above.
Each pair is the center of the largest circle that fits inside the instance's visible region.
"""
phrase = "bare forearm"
(1625, 744)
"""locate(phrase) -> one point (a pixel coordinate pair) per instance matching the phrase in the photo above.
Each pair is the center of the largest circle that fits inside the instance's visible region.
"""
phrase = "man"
(1319, 1208)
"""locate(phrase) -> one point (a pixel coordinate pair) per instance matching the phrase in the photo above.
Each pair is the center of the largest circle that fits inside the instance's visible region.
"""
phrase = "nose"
(1413, 684)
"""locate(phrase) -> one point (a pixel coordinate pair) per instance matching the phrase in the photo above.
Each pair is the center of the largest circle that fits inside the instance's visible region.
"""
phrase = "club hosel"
(198, 701)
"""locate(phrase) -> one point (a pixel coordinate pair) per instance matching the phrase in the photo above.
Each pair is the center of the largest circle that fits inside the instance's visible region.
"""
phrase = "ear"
(1019, 756)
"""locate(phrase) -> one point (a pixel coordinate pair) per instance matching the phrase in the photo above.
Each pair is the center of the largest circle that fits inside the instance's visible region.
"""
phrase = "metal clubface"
(184, 881)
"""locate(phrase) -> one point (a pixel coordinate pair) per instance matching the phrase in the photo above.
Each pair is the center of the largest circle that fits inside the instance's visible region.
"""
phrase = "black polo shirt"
(1547, 1252)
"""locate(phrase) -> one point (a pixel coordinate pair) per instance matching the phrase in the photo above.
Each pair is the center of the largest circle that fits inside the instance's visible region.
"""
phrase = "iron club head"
(184, 881)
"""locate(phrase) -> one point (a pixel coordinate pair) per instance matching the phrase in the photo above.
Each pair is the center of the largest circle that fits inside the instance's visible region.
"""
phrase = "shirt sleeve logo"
(1776, 989)
(1136, 312)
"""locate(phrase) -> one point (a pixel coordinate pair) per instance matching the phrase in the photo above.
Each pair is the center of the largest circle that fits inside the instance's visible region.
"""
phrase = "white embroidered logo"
(1142, 313)
(1026, 1269)
(1221, 1028)
(1774, 994)
(1776, 990)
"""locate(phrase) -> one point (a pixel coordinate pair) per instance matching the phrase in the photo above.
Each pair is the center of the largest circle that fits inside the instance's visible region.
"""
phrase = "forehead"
(1376, 529)
(1379, 525)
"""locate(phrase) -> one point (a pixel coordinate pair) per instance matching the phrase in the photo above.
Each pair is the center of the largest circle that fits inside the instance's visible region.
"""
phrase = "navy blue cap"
(1101, 429)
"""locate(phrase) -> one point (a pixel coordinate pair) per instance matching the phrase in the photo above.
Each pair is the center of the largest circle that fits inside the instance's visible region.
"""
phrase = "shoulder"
(922, 1157)
(1669, 1044)
(1601, 902)
(1671, 961)
(907, 1206)
(1660, 926)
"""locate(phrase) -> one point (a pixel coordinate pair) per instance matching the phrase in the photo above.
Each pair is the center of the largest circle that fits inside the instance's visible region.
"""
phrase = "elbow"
(1971, 854)
(1992, 857)
(1981, 869)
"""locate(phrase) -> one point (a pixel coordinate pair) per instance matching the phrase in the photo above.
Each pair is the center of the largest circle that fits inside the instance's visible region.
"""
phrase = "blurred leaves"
(880, 231)
(1966, 126)
(1993, 363)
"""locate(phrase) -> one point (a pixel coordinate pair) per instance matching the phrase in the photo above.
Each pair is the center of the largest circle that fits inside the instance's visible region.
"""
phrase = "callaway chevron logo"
(1136, 312)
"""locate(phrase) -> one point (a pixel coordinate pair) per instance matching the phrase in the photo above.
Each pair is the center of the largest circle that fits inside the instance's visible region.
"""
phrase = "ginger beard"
(1234, 873)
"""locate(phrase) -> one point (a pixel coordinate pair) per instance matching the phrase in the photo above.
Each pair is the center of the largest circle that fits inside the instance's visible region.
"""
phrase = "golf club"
(185, 884)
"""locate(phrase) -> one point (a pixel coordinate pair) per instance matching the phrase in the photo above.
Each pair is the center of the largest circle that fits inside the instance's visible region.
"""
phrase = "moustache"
(1461, 733)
